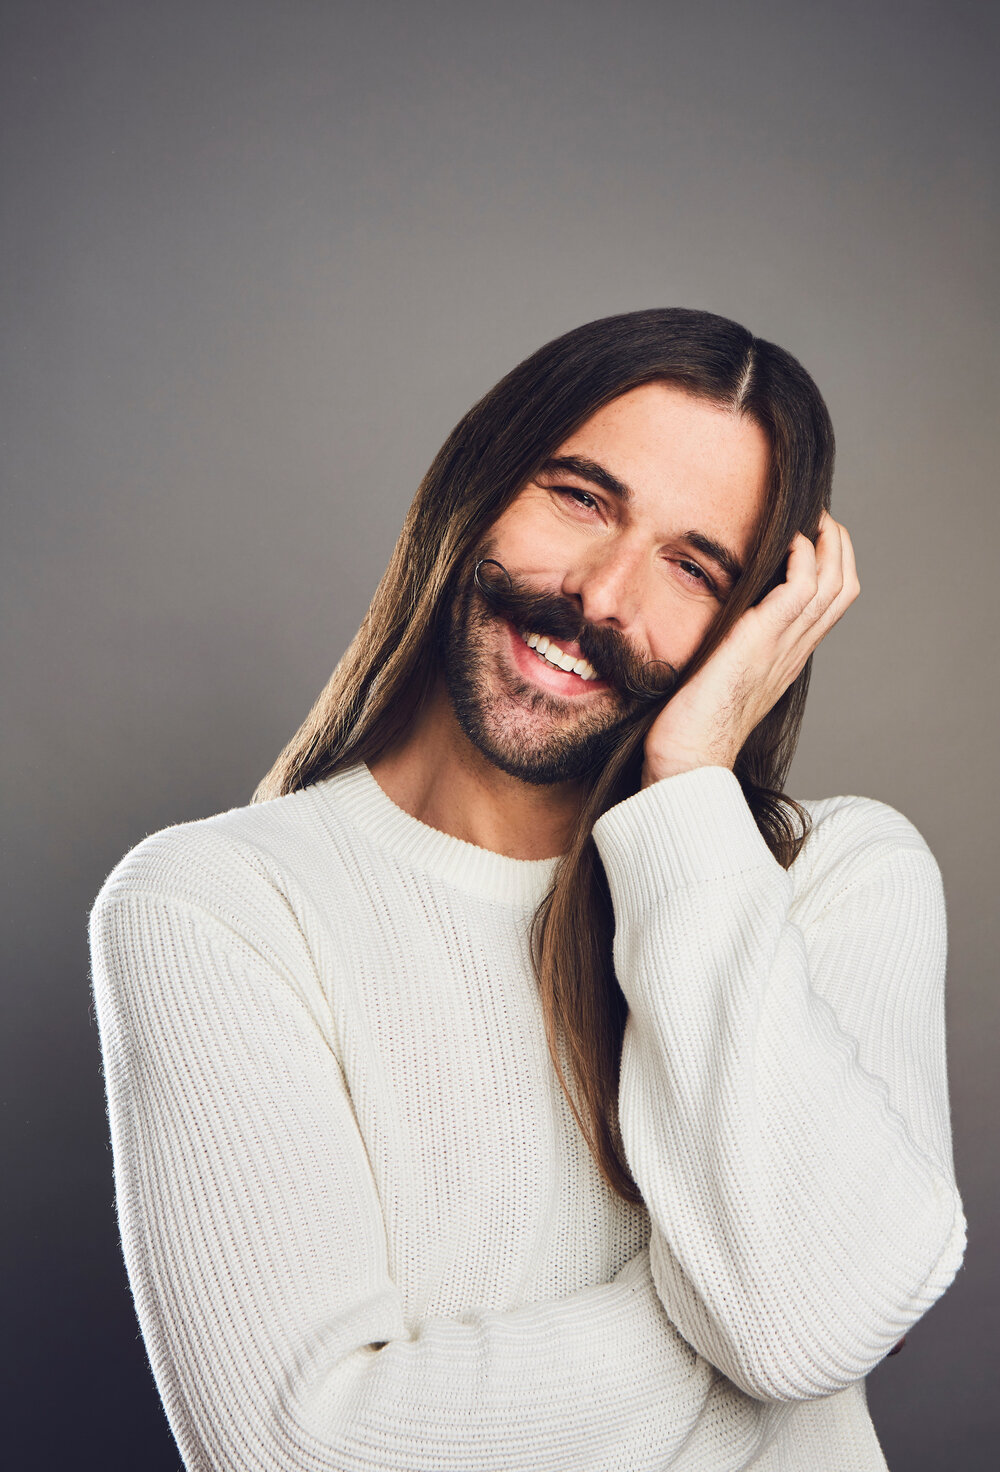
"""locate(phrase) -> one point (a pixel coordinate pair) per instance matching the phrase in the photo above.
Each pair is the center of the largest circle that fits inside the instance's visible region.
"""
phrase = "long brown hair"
(385, 674)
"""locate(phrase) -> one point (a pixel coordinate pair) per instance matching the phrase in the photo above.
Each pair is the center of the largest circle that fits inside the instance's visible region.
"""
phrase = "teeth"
(553, 655)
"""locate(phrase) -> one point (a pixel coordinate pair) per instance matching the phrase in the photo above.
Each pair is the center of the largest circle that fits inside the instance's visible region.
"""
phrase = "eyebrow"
(590, 470)
(726, 561)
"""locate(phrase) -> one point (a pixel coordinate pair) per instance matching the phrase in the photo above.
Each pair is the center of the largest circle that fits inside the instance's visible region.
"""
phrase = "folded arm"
(255, 1241)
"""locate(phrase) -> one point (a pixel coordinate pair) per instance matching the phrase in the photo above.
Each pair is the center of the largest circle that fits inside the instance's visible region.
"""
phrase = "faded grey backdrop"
(260, 257)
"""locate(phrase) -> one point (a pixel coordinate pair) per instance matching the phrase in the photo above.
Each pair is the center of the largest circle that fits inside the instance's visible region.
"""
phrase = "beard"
(528, 732)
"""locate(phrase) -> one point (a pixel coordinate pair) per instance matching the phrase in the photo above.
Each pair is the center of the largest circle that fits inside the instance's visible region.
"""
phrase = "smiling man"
(630, 540)
(523, 1079)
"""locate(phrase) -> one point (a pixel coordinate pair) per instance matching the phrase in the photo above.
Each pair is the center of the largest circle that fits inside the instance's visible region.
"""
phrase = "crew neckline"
(391, 828)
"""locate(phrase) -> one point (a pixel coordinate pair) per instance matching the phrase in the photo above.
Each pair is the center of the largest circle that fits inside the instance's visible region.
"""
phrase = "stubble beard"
(527, 733)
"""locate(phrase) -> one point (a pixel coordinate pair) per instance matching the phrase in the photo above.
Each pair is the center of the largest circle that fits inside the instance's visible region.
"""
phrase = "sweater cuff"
(689, 829)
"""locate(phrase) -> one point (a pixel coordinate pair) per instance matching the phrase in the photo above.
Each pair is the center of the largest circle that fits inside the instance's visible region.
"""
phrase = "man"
(523, 1081)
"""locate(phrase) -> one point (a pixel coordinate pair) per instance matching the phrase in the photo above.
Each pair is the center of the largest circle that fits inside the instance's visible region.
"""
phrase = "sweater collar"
(480, 871)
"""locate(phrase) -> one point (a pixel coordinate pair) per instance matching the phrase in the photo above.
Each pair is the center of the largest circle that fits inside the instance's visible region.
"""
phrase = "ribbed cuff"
(687, 829)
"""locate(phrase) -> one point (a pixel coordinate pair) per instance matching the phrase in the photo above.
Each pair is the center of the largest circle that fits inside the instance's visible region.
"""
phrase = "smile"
(549, 651)
(548, 665)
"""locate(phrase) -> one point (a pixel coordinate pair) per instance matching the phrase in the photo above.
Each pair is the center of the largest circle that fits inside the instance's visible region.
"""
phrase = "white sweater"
(360, 1223)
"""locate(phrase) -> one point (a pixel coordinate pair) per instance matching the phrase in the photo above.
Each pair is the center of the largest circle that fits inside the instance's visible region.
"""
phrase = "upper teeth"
(562, 661)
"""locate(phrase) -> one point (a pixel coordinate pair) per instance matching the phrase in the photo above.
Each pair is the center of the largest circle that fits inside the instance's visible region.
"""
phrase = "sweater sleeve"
(256, 1249)
(783, 1095)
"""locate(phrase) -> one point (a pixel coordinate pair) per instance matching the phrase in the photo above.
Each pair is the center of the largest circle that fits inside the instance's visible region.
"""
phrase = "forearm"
(799, 1225)
(256, 1249)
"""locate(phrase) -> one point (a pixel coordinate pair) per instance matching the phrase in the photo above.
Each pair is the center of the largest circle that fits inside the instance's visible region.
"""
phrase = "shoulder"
(854, 840)
(212, 917)
(180, 859)
(259, 860)
(860, 824)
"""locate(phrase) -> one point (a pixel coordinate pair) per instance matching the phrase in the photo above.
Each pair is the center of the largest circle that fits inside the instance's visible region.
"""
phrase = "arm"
(255, 1242)
(783, 1091)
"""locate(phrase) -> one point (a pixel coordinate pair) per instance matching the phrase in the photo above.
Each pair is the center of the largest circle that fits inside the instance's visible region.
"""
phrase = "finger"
(829, 562)
(850, 586)
(791, 598)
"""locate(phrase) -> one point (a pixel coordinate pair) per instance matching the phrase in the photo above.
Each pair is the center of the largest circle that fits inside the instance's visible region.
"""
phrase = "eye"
(583, 499)
(695, 575)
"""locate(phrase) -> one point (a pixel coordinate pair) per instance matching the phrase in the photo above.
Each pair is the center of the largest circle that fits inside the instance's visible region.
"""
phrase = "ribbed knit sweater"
(360, 1223)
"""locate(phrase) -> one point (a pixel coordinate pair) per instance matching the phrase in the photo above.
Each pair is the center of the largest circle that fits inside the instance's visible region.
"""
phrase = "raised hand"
(711, 716)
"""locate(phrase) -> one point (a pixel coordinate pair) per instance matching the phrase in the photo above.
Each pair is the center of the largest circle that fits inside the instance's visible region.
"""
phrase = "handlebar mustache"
(643, 681)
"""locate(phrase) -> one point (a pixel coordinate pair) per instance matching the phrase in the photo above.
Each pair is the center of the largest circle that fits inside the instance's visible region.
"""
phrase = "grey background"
(259, 258)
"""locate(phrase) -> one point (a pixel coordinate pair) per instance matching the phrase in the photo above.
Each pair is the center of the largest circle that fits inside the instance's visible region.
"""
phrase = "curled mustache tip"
(654, 681)
(479, 580)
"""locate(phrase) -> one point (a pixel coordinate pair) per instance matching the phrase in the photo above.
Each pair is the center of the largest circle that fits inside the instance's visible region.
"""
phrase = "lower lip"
(540, 672)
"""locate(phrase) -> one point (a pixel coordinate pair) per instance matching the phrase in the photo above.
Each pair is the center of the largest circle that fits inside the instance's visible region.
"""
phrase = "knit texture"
(361, 1226)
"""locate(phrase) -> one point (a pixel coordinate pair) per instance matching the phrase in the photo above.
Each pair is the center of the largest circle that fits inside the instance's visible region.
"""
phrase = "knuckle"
(782, 614)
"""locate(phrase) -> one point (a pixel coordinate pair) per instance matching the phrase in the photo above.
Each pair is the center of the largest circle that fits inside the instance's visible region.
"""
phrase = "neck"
(437, 775)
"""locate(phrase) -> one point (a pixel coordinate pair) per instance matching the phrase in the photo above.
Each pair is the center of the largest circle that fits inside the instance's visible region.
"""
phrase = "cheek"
(529, 540)
(679, 627)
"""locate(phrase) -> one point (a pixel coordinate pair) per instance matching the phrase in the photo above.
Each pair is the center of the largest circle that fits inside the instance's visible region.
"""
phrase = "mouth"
(555, 665)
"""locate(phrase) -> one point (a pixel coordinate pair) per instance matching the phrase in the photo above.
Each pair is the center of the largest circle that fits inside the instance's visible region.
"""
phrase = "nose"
(607, 585)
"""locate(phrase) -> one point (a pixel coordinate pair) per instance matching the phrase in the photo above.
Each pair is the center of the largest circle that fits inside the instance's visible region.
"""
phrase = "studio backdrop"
(259, 257)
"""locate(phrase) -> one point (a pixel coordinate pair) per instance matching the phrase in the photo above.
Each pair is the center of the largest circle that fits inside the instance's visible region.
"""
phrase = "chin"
(518, 748)
(526, 732)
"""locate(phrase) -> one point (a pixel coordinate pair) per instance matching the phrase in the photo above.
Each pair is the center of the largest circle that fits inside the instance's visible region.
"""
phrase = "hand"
(711, 716)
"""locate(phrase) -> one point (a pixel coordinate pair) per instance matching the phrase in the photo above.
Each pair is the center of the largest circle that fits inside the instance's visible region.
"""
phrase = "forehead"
(680, 456)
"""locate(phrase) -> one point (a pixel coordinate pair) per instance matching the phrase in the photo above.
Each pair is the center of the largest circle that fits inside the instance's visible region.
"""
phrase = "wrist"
(657, 768)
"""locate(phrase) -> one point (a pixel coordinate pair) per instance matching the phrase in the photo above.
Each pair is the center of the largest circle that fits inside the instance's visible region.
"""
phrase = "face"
(620, 552)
